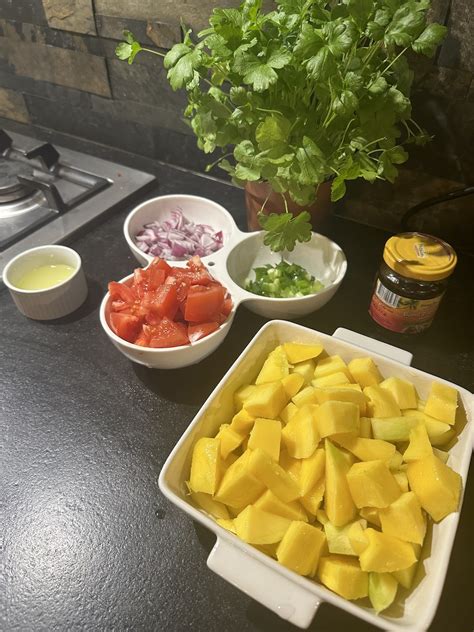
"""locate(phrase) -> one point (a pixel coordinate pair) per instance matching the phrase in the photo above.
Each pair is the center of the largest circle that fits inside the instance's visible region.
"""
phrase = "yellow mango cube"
(403, 391)
(344, 576)
(366, 449)
(267, 400)
(333, 379)
(272, 504)
(342, 394)
(419, 446)
(339, 505)
(365, 428)
(372, 484)
(337, 417)
(332, 364)
(297, 352)
(402, 480)
(365, 372)
(305, 397)
(239, 487)
(275, 367)
(230, 440)
(210, 506)
(356, 536)
(385, 553)
(305, 369)
(313, 499)
(288, 412)
(268, 549)
(442, 403)
(290, 465)
(266, 434)
(300, 548)
(206, 466)
(382, 401)
(436, 485)
(273, 476)
(300, 436)
(438, 432)
(371, 514)
(393, 428)
(406, 576)
(311, 470)
(242, 422)
(292, 384)
(338, 537)
(396, 461)
(382, 590)
(241, 394)
(227, 524)
(404, 519)
(255, 526)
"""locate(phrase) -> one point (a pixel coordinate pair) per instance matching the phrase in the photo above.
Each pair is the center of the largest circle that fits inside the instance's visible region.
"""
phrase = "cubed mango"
(442, 402)
(365, 371)
(372, 484)
(338, 502)
(385, 553)
(335, 417)
(206, 466)
(275, 367)
(344, 576)
(300, 548)
(266, 434)
(298, 352)
(404, 519)
(300, 436)
(436, 485)
(255, 526)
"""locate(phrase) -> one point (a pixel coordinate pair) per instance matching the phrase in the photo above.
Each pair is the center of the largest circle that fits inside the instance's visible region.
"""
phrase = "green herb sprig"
(284, 231)
(309, 92)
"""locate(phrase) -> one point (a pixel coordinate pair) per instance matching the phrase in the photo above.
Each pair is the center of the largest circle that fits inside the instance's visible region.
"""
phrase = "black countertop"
(87, 540)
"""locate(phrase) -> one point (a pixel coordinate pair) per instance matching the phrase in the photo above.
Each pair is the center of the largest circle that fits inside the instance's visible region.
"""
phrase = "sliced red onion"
(178, 238)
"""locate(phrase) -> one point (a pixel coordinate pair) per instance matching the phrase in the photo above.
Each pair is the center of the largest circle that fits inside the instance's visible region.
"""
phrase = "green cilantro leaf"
(431, 37)
(284, 231)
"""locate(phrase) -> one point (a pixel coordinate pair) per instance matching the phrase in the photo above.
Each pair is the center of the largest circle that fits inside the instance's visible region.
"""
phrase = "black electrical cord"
(414, 210)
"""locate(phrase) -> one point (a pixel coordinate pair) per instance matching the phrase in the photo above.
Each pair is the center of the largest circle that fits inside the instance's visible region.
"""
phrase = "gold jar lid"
(420, 256)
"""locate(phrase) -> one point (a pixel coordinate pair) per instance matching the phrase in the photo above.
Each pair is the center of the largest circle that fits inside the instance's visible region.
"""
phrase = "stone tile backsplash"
(58, 71)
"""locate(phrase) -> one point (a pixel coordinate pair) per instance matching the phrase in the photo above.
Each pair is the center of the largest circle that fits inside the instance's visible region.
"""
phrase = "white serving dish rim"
(321, 593)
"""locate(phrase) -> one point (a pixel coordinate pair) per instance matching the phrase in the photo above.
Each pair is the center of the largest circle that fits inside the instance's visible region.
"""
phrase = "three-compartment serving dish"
(291, 596)
(231, 265)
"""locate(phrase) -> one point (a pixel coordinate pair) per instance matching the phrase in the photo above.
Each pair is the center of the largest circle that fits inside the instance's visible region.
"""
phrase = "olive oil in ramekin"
(44, 277)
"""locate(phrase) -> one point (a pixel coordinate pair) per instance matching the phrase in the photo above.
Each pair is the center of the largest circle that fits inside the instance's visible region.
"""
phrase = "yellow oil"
(43, 277)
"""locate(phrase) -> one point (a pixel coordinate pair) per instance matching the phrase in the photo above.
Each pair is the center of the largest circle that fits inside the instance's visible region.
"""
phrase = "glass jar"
(411, 282)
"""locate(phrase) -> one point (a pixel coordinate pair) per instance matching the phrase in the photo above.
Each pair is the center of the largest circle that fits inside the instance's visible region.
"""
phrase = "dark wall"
(58, 71)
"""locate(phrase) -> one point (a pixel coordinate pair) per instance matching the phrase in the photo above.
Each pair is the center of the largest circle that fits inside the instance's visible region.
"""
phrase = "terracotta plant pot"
(257, 192)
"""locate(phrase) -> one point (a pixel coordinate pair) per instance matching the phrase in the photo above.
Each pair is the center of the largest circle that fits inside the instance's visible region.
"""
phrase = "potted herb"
(305, 97)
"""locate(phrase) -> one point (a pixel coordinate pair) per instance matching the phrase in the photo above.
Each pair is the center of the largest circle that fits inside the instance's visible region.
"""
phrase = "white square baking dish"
(291, 596)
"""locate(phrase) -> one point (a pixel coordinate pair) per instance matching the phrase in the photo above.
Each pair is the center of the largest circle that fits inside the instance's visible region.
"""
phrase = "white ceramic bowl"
(169, 358)
(320, 256)
(195, 208)
(291, 596)
(54, 302)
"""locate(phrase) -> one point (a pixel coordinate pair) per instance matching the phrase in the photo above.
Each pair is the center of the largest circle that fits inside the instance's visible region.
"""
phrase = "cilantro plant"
(307, 92)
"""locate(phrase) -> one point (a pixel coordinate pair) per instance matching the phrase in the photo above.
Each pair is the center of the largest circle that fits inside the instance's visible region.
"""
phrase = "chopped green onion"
(282, 280)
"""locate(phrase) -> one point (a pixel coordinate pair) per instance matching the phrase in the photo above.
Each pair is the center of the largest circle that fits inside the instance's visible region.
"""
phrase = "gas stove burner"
(11, 189)
(47, 193)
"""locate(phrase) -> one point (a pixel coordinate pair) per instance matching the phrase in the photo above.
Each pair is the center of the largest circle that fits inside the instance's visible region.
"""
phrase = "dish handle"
(370, 344)
(270, 588)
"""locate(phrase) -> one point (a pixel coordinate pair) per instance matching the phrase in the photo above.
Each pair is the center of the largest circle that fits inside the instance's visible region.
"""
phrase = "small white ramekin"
(53, 302)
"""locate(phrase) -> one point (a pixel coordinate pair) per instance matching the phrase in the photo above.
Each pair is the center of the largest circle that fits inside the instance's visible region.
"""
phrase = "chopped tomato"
(200, 330)
(122, 292)
(165, 301)
(169, 334)
(125, 326)
(203, 303)
(166, 306)
(227, 307)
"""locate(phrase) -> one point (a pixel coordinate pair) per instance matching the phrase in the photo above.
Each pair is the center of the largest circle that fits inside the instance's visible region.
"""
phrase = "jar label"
(400, 314)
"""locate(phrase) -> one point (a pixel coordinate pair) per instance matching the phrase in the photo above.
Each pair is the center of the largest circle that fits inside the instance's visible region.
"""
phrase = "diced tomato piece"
(169, 334)
(122, 292)
(120, 306)
(125, 326)
(227, 307)
(203, 303)
(200, 330)
(143, 340)
(165, 301)
(156, 277)
(159, 264)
